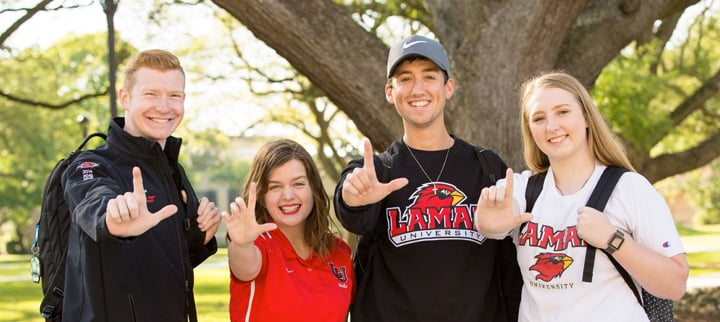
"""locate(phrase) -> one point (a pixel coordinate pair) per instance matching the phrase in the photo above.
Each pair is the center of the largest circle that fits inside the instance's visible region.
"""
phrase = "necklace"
(447, 153)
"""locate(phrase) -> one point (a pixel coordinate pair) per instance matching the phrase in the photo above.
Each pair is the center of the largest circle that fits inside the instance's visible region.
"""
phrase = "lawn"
(19, 299)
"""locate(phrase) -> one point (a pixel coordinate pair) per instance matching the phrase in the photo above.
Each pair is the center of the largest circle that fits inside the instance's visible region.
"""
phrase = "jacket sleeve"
(89, 184)
(358, 220)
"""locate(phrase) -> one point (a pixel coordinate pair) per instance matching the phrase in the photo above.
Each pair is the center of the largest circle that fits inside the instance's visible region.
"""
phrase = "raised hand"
(494, 216)
(361, 186)
(127, 215)
(208, 218)
(242, 227)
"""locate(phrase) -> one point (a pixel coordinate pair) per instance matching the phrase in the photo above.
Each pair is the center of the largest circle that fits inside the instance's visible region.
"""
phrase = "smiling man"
(419, 257)
(138, 228)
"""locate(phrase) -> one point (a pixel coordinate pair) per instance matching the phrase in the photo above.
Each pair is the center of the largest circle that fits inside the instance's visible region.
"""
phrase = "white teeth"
(158, 120)
(290, 208)
(418, 104)
(557, 139)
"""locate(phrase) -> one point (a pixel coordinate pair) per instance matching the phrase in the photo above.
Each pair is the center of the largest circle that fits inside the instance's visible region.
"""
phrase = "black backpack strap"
(486, 167)
(625, 275)
(533, 189)
(532, 192)
(598, 200)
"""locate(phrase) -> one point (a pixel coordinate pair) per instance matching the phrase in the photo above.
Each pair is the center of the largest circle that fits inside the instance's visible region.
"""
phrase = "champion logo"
(409, 44)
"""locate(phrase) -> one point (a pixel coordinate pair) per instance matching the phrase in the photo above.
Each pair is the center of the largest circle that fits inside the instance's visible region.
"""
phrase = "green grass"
(19, 300)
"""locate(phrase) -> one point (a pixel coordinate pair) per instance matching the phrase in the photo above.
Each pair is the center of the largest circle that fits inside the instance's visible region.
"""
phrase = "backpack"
(51, 235)
(657, 309)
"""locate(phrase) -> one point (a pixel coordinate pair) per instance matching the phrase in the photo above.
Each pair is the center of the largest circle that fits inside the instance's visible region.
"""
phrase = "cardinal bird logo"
(435, 212)
(435, 195)
(550, 265)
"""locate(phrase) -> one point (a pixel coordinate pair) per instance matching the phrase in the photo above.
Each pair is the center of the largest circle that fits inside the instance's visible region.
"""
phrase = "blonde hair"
(156, 59)
(605, 147)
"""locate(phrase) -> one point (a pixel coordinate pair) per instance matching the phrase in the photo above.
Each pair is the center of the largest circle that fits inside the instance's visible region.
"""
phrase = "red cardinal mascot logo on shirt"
(436, 196)
(436, 212)
(551, 265)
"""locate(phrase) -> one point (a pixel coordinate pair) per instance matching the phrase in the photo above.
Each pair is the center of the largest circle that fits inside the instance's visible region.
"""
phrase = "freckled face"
(155, 106)
(289, 198)
(557, 123)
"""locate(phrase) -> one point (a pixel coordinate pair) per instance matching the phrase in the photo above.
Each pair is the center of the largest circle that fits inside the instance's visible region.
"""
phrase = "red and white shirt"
(289, 288)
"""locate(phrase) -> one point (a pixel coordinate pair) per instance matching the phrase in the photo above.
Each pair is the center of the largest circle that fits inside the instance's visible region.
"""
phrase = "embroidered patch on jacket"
(87, 170)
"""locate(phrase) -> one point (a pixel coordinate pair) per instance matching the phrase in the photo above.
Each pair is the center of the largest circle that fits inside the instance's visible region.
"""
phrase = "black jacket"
(143, 278)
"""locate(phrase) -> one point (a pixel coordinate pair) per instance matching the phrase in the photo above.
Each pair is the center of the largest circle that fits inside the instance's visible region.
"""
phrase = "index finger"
(138, 188)
(509, 183)
(368, 162)
(251, 197)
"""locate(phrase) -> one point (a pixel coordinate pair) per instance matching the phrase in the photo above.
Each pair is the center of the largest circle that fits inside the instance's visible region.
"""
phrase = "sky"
(228, 106)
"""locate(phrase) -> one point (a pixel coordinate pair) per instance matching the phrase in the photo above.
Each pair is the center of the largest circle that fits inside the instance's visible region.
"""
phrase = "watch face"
(616, 242)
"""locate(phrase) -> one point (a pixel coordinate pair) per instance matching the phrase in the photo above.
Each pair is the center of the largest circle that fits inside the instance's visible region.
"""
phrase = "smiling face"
(155, 104)
(289, 197)
(419, 92)
(557, 124)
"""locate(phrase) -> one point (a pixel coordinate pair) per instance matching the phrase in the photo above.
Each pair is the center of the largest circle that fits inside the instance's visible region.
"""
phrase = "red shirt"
(289, 288)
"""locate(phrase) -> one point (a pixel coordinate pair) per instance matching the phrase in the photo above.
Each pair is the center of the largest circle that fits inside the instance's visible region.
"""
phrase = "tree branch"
(51, 106)
(15, 26)
(667, 165)
(605, 28)
(694, 102)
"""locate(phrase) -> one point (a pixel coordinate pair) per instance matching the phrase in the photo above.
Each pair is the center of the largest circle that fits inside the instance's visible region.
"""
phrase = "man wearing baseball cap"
(419, 257)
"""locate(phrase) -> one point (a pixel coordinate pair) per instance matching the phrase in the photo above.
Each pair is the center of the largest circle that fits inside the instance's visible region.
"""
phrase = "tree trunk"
(493, 46)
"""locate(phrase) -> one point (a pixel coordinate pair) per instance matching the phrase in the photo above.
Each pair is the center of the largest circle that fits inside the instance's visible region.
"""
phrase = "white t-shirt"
(552, 258)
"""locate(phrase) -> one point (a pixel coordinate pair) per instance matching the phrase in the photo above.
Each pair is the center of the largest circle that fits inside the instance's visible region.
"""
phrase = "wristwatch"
(616, 240)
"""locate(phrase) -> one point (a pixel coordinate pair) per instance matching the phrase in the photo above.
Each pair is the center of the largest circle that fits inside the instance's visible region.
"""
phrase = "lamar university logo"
(436, 212)
(550, 265)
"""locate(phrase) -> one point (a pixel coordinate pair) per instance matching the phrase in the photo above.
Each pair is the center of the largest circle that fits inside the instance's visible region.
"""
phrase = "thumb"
(165, 212)
(523, 218)
(396, 184)
(268, 227)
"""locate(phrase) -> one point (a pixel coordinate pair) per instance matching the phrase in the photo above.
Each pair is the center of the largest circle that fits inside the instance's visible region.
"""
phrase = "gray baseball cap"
(418, 46)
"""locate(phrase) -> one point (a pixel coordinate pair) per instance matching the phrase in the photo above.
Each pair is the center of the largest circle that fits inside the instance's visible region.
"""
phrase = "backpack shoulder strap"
(605, 186)
(598, 200)
(532, 192)
(533, 189)
(494, 172)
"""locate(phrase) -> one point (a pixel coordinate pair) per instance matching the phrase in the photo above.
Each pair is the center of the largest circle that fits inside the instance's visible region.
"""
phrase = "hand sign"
(242, 227)
(361, 186)
(127, 215)
(494, 216)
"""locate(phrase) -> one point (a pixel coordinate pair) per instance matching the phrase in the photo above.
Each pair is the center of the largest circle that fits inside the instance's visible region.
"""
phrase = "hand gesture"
(242, 227)
(127, 215)
(594, 227)
(361, 186)
(208, 218)
(494, 216)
